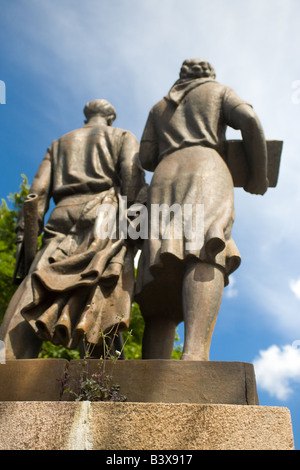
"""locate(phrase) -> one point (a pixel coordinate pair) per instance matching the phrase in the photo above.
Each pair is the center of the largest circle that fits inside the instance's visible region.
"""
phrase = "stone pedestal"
(150, 381)
(142, 426)
(171, 405)
(165, 381)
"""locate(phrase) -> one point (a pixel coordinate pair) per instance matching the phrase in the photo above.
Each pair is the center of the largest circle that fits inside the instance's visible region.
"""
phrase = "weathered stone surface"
(187, 426)
(142, 426)
(36, 425)
(32, 379)
(164, 381)
(169, 381)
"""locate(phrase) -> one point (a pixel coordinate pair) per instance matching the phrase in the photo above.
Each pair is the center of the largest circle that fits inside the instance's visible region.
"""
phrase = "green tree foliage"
(50, 350)
(133, 341)
(8, 218)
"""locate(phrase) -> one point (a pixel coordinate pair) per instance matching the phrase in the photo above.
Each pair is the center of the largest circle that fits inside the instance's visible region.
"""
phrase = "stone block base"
(163, 381)
(142, 426)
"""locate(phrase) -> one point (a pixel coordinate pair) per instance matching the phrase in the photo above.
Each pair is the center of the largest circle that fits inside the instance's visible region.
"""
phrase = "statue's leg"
(203, 286)
(158, 339)
(20, 341)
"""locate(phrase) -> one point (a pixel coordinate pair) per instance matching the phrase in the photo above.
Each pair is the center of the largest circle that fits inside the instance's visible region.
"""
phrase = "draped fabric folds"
(87, 284)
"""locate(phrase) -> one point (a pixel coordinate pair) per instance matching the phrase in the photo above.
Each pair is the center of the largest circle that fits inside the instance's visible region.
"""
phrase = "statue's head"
(102, 108)
(196, 68)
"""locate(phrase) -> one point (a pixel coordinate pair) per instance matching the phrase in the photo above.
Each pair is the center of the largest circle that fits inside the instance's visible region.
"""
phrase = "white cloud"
(277, 370)
(230, 290)
(295, 287)
(269, 293)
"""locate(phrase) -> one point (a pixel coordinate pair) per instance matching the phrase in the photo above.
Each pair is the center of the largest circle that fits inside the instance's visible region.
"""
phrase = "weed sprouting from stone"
(100, 385)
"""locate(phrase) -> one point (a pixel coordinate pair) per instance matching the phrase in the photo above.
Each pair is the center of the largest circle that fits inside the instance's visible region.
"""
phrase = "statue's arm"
(243, 117)
(42, 186)
(149, 146)
(132, 175)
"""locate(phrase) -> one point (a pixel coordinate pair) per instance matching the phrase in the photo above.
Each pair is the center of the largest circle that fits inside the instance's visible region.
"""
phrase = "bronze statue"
(184, 144)
(79, 283)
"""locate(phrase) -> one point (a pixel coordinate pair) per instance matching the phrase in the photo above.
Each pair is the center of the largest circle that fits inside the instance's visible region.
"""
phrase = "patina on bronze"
(184, 144)
(77, 284)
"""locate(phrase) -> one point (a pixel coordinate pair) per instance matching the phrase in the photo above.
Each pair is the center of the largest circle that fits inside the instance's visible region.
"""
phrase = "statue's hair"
(100, 106)
(189, 68)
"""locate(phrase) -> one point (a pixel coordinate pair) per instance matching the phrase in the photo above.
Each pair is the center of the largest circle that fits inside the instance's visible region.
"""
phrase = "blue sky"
(58, 54)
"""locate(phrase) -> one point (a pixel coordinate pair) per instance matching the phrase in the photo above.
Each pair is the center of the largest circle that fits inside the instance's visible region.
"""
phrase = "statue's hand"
(257, 186)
